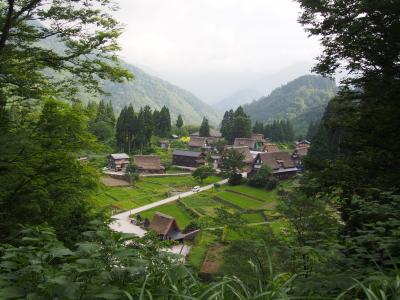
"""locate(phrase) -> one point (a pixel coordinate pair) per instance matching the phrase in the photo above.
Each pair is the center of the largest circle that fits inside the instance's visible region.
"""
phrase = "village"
(166, 199)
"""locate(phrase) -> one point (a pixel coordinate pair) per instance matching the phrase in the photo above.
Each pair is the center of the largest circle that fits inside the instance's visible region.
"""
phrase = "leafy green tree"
(232, 165)
(309, 246)
(359, 164)
(203, 172)
(261, 178)
(88, 51)
(204, 128)
(41, 179)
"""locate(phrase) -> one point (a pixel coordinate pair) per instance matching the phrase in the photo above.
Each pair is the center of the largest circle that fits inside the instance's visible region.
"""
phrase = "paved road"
(122, 222)
(166, 174)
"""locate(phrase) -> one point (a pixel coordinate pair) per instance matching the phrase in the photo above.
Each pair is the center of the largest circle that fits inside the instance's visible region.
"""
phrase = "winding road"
(122, 222)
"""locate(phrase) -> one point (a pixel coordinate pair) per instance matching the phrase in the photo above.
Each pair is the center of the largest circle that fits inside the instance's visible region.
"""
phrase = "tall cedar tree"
(227, 126)
(241, 124)
(179, 122)
(356, 152)
(279, 131)
(164, 129)
(204, 128)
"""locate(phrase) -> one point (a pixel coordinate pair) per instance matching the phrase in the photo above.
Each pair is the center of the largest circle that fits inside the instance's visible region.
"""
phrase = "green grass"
(182, 218)
(253, 218)
(203, 240)
(259, 193)
(240, 200)
(146, 190)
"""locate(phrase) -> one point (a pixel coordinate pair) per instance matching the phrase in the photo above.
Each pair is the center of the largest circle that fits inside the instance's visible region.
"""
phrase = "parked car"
(196, 189)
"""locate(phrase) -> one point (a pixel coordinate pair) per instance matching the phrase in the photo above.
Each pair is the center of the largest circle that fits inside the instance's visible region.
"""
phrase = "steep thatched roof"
(277, 160)
(188, 153)
(197, 141)
(162, 224)
(271, 148)
(119, 156)
(147, 162)
(245, 142)
(248, 158)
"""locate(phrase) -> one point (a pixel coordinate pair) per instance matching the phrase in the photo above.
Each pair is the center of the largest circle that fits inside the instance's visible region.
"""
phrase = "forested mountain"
(145, 89)
(155, 92)
(263, 86)
(301, 101)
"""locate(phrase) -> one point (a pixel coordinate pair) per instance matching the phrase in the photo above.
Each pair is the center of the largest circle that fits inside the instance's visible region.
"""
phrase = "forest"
(342, 215)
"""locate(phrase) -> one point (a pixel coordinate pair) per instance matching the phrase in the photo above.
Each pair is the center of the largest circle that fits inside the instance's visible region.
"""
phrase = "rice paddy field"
(146, 190)
(253, 204)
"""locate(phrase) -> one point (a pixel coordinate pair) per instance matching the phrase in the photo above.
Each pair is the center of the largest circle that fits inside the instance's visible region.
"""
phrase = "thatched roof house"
(271, 148)
(118, 161)
(248, 158)
(240, 142)
(190, 159)
(202, 142)
(148, 163)
(258, 137)
(281, 163)
(167, 228)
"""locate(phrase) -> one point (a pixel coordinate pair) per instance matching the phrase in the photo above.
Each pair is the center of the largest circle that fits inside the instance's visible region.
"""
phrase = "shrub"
(271, 184)
(261, 178)
(235, 179)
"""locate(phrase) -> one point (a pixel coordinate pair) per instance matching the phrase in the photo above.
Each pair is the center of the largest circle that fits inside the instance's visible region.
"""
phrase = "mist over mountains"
(263, 86)
(146, 89)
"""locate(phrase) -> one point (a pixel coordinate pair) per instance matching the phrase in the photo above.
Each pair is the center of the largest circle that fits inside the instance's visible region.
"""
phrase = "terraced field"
(145, 191)
(252, 203)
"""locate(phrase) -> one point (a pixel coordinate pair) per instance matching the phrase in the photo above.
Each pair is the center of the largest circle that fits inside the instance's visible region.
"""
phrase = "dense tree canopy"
(88, 35)
(355, 153)
(235, 125)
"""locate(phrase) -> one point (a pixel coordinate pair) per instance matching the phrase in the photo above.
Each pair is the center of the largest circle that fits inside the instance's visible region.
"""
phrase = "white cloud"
(214, 35)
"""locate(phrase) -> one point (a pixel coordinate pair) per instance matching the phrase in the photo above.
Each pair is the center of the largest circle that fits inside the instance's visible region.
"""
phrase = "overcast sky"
(176, 38)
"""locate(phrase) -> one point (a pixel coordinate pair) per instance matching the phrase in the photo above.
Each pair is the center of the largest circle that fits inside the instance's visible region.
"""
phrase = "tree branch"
(5, 32)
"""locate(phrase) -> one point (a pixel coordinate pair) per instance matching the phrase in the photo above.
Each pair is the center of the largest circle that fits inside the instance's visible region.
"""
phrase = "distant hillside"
(149, 90)
(263, 86)
(301, 100)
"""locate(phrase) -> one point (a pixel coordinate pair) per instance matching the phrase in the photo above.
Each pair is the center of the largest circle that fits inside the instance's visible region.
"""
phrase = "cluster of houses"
(256, 150)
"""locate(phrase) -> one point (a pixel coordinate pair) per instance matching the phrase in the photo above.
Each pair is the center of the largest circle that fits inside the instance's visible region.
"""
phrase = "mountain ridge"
(146, 89)
(301, 100)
